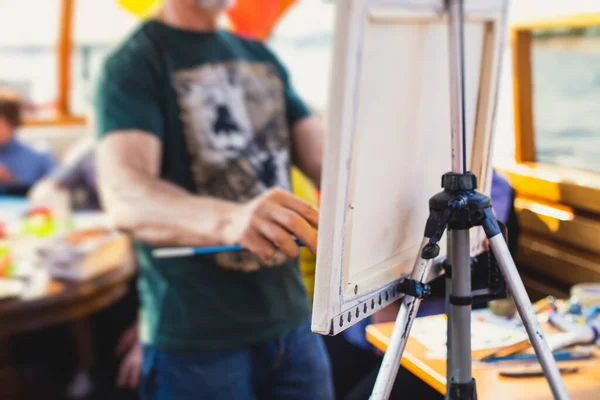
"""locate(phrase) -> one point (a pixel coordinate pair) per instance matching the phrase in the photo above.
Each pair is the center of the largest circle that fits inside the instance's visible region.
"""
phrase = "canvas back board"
(388, 143)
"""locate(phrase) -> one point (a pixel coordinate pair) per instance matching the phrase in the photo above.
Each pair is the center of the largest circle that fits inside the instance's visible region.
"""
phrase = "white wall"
(37, 21)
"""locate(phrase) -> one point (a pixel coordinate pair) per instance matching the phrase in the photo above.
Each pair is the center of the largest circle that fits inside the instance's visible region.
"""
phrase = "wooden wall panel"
(557, 262)
(538, 288)
(575, 188)
(560, 224)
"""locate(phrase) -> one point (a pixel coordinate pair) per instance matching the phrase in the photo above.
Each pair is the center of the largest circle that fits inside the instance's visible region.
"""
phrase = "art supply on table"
(174, 252)
(486, 338)
(545, 304)
(39, 221)
(72, 256)
(493, 337)
(57, 204)
(532, 371)
(575, 332)
(572, 355)
(6, 262)
(503, 307)
(591, 313)
(586, 294)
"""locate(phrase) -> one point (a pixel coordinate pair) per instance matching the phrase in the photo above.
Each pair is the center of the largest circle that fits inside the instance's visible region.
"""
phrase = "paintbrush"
(176, 252)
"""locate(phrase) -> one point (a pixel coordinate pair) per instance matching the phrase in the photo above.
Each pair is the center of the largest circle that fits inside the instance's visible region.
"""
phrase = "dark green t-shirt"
(222, 107)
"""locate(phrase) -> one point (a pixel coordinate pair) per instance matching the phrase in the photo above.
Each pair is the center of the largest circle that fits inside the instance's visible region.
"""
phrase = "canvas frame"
(337, 305)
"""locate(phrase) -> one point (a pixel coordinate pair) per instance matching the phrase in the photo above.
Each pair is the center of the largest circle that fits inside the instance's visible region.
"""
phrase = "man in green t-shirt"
(198, 129)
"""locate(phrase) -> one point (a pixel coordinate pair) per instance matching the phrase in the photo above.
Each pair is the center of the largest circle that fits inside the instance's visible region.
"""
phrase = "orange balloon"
(257, 18)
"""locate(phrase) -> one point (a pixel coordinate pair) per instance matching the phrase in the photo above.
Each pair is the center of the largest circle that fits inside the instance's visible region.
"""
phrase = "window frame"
(558, 207)
(528, 174)
(64, 50)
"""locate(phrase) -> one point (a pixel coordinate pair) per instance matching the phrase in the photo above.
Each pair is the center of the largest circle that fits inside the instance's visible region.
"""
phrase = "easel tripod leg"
(517, 289)
(404, 320)
(448, 281)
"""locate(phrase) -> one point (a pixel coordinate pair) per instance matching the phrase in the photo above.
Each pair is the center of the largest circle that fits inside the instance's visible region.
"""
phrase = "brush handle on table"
(559, 356)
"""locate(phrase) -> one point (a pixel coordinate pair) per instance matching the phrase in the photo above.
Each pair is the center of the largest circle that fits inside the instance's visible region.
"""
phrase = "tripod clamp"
(414, 288)
(447, 209)
(458, 207)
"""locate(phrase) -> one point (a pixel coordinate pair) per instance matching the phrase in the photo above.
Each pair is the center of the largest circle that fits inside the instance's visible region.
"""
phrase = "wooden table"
(583, 385)
(62, 302)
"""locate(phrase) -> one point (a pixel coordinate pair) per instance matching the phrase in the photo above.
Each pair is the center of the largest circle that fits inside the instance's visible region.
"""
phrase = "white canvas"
(388, 144)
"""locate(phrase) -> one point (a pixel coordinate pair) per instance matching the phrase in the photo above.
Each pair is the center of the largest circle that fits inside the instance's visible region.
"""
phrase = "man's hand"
(271, 222)
(160, 213)
(131, 365)
(130, 370)
(6, 175)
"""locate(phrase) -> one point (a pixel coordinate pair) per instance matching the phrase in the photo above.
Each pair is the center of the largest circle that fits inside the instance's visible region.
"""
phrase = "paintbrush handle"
(176, 252)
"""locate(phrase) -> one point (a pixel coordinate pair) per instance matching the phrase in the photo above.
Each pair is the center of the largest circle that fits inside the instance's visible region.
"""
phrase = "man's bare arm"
(307, 144)
(162, 214)
(151, 209)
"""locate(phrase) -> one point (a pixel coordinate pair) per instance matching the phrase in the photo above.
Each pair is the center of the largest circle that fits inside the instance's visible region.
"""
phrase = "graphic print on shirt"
(234, 122)
(233, 117)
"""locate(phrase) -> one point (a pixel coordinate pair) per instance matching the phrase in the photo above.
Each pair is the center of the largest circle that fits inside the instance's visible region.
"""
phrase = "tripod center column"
(457, 86)
(460, 304)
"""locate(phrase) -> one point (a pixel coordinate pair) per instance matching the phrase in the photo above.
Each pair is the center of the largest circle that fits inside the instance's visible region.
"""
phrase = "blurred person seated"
(76, 176)
(21, 165)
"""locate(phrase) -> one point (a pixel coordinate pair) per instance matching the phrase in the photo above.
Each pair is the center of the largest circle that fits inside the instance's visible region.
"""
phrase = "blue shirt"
(26, 164)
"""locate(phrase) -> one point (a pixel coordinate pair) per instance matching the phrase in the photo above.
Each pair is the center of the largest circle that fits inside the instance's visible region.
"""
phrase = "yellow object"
(6, 264)
(582, 20)
(304, 189)
(141, 8)
(39, 224)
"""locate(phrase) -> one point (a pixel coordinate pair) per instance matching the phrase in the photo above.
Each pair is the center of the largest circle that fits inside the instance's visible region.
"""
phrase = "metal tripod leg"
(536, 337)
(448, 281)
(406, 316)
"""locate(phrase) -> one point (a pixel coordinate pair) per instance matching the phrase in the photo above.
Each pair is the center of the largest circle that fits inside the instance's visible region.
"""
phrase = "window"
(28, 35)
(30, 50)
(566, 97)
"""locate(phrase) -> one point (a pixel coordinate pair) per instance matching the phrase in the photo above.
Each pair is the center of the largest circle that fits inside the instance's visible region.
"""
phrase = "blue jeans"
(293, 366)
